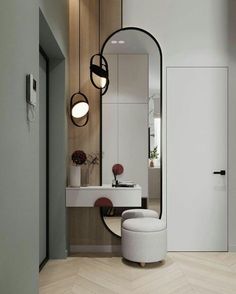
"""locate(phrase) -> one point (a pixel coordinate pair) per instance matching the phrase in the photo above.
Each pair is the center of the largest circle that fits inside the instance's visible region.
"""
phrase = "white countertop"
(104, 187)
(120, 196)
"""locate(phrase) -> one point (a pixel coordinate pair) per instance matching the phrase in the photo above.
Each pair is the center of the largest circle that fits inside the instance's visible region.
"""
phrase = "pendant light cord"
(79, 43)
(121, 14)
(99, 32)
(85, 99)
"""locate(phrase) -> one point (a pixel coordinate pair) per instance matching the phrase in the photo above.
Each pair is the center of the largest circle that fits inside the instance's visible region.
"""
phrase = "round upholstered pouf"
(138, 213)
(143, 240)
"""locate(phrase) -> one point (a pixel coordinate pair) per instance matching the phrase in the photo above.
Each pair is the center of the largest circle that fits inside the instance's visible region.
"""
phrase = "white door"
(196, 147)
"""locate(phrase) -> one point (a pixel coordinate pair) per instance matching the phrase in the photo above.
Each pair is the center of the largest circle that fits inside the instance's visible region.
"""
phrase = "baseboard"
(232, 248)
(95, 248)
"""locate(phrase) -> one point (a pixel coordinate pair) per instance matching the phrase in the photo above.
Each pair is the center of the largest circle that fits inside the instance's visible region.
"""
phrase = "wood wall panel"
(111, 17)
(73, 47)
(85, 226)
(85, 40)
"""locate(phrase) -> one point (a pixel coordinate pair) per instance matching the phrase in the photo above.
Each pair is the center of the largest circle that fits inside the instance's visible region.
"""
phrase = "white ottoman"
(143, 240)
(138, 213)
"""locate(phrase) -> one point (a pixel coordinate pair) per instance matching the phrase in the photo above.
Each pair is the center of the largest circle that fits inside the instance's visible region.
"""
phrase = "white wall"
(190, 32)
(194, 33)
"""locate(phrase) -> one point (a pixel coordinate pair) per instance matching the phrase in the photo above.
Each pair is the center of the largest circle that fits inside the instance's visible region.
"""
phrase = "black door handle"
(221, 172)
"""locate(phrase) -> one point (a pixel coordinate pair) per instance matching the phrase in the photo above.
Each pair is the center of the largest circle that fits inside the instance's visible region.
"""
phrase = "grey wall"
(19, 179)
(56, 13)
(18, 149)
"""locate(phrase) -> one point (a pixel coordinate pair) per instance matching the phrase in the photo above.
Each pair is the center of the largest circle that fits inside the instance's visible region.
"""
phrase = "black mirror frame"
(161, 97)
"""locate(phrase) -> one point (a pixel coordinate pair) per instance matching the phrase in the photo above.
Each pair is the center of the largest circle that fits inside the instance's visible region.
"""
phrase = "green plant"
(154, 154)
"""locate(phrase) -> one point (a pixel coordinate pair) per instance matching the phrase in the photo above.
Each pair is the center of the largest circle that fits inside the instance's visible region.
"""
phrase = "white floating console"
(120, 197)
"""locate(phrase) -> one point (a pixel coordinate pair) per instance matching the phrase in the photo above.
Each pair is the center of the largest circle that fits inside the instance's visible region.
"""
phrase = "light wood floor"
(181, 273)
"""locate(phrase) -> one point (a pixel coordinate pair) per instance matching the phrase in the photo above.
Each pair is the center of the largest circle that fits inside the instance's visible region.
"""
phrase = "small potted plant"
(78, 158)
(153, 156)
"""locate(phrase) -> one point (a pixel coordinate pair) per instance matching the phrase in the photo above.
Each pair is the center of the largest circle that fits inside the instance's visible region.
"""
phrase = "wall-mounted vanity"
(119, 197)
(87, 196)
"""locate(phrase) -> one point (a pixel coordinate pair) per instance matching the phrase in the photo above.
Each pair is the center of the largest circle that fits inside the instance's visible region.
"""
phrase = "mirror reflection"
(131, 120)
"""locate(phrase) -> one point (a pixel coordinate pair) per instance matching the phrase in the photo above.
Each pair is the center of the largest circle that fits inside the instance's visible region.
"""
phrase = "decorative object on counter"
(103, 202)
(125, 184)
(78, 157)
(117, 170)
(153, 155)
(91, 161)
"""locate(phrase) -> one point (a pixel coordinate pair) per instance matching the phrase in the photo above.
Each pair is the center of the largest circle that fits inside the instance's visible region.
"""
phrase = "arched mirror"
(131, 119)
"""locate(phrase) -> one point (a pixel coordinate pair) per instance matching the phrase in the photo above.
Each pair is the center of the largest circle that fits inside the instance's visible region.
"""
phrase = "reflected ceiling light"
(79, 109)
(99, 73)
(121, 42)
(113, 42)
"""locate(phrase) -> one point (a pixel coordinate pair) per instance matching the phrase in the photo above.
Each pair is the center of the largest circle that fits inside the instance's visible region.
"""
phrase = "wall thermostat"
(31, 90)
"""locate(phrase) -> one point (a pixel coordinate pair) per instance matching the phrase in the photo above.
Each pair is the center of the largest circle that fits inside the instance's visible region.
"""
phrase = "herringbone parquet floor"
(181, 273)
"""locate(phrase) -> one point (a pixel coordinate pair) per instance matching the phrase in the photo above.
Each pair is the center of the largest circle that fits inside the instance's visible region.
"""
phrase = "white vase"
(75, 175)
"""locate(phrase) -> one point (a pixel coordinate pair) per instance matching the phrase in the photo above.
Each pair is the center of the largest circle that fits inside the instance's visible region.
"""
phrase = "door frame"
(42, 52)
(58, 93)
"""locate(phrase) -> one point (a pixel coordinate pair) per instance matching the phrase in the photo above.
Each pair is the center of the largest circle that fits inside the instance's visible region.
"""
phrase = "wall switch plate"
(31, 90)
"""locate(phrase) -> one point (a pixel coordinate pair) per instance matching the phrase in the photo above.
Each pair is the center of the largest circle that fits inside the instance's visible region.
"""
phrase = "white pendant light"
(79, 109)
(79, 105)
(99, 74)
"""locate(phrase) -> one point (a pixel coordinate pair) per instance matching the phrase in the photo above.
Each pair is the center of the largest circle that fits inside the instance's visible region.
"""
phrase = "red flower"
(79, 157)
(117, 169)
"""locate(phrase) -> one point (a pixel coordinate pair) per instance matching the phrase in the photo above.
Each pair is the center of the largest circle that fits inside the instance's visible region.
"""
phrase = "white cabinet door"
(133, 147)
(109, 140)
(133, 78)
(196, 147)
(125, 120)
(111, 95)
